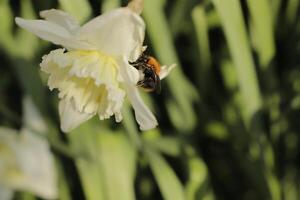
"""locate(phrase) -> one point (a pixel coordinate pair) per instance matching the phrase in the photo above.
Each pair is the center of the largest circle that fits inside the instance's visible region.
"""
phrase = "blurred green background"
(229, 114)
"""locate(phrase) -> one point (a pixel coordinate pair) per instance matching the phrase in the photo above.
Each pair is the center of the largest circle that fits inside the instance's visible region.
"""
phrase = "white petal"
(27, 163)
(117, 32)
(143, 115)
(133, 74)
(6, 193)
(165, 70)
(70, 118)
(37, 165)
(61, 18)
(52, 32)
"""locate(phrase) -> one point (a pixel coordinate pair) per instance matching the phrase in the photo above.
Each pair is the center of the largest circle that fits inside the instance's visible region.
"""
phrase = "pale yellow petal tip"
(149, 126)
(165, 71)
(23, 23)
(171, 67)
(70, 118)
(136, 6)
(19, 21)
(44, 13)
(64, 129)
(144, 48)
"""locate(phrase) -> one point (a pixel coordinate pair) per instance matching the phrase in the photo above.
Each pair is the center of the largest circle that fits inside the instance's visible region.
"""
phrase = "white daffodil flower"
(26, 161)
(92, 71)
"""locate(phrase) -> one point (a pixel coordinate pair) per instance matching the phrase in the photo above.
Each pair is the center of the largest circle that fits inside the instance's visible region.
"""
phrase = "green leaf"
(83, 141)
(108, 5)
(81, 9)
(26, 196)
(291, 11)
(198, 180)
(229, 75)
(184, 94)
(262, 30)
(205, 60)
(118, 160)
(200, 23)
(178, 14)
(31, 83)
(6, 21)
(25, 39)
(217, 130)
(213, 20)
(17, 45)
(235, 32)
(64, 190)
(166, 144)
(169, 184)
(275, 6)
(106, 164)
(130, 125)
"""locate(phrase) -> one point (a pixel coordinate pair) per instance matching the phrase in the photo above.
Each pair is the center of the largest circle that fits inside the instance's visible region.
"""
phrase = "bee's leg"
(148, 85)
(141, 60)
(140, 83)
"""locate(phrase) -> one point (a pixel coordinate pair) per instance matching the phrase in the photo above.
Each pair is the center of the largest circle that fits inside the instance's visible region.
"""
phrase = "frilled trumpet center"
(89, 80)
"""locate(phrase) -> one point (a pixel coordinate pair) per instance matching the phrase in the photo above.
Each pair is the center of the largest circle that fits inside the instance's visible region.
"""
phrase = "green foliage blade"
(169, 184)
(235, 32)
(106, 162)
(81, 9)
(200, 23)
(262, 30)
(183, 92)
(108, 5)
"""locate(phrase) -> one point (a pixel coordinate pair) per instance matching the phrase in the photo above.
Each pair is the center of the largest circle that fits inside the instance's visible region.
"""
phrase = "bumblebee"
(149, 67)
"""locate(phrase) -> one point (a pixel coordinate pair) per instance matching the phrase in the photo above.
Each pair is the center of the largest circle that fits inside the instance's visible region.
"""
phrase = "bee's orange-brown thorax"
(155, 64)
